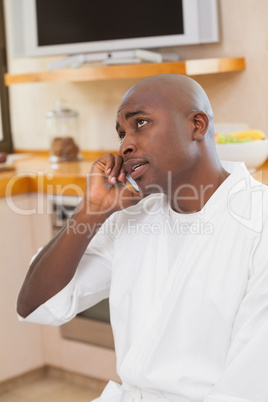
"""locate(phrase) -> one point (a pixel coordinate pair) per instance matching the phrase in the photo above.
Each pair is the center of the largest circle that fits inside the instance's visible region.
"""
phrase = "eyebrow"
(130, 115)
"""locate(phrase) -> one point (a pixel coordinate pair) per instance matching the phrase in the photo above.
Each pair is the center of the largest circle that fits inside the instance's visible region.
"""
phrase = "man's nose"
(127, 147)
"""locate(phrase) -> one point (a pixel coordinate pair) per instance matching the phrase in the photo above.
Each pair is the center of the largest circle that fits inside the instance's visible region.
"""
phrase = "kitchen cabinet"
(25, 347)
(96, 72)
(21, 348)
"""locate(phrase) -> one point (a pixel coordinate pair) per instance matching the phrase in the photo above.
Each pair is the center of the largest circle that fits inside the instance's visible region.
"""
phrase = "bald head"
(176, 91)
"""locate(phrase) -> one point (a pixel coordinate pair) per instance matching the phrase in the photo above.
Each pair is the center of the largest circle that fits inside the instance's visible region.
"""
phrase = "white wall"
(239, 97)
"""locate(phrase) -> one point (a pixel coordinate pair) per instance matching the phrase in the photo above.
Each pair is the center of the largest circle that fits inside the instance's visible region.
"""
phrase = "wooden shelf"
(100, 72)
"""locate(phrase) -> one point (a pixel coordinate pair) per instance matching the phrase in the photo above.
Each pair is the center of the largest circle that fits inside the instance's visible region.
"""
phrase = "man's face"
(155, 140)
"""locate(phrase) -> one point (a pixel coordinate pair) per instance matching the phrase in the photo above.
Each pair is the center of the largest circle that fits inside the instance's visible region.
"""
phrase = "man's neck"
(190, 197)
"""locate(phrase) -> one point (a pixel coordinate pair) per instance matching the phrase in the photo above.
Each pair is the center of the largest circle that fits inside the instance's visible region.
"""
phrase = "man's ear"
(201, 123)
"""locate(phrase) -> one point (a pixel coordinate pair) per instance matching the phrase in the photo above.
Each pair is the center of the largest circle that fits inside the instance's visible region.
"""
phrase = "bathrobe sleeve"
(89, 285)
(245, 378)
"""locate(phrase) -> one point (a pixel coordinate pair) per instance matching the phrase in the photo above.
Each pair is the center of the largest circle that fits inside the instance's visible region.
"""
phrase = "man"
(183, 260)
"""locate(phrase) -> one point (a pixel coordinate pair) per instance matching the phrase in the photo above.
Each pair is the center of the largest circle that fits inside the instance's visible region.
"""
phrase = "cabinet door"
(21, 233)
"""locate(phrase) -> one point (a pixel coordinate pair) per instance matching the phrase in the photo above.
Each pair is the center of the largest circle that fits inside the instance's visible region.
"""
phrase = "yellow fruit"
(252, 134)
(239, 136)
(217, 138)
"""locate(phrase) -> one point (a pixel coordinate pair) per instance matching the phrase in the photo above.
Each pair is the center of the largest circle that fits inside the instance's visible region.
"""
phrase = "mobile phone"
(132, 182)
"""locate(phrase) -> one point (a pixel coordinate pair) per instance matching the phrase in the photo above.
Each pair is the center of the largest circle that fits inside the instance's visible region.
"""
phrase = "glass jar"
(62, 125)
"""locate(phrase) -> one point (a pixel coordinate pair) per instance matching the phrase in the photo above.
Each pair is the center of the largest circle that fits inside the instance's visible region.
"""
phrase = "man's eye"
(121, 137)
(141, 123)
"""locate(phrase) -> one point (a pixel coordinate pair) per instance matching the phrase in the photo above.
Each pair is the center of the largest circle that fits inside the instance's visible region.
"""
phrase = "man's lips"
(135, 167)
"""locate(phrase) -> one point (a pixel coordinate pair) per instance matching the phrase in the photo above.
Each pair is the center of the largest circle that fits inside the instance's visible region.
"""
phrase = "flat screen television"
(69, 27)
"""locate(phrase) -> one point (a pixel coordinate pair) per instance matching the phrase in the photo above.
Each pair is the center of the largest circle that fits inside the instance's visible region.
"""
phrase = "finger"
(110, 161)
(104, 164)
(117, 173)
(122, 176)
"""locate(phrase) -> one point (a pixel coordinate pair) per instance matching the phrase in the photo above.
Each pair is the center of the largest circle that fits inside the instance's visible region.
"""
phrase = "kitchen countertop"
(34, 173)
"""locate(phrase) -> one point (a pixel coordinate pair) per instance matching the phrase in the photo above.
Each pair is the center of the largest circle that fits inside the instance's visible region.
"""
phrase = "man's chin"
(151, 189)
(148, 187)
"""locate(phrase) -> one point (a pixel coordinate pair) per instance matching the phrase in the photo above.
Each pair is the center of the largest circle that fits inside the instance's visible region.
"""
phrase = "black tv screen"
(78, 21)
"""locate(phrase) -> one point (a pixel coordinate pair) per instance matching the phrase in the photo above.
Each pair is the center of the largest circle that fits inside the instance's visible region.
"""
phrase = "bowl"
(252, 153)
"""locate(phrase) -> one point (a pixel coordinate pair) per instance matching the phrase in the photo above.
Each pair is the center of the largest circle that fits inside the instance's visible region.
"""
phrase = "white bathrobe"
(188, 296)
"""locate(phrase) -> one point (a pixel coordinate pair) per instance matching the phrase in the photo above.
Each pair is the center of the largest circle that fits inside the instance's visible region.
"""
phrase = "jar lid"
(61, 111)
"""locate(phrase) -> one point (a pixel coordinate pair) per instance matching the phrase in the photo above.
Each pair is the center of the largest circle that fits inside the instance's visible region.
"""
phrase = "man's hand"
(106, 191)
